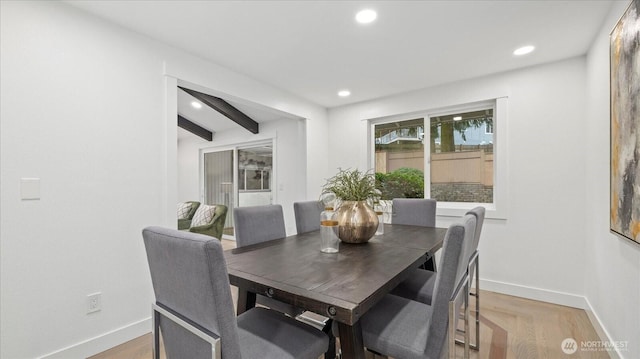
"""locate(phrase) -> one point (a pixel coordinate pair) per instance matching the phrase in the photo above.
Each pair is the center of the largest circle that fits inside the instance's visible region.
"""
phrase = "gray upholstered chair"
(416, 212)
(407, 329)
(194, 308)
(209, 220)
(420, 285)
(258, 224)
(474, 271)
(186, 210)
(307, 215)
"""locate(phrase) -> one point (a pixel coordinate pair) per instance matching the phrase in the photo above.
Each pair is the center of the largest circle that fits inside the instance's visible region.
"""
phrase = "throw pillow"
(204, 215)
(183, 209)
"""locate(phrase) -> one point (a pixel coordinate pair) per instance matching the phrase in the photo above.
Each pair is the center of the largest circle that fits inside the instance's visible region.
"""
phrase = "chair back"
(258, 224)
(414, 211)
(307, 215)
(469, 222)
(479, 213)
(190, 280)
(452, 269)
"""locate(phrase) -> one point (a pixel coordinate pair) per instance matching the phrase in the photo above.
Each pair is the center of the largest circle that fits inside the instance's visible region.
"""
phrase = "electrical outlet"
(94, 302)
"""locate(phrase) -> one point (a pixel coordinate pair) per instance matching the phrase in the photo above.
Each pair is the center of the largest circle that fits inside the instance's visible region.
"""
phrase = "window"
(399, 158)
(254, 168)
(448, 154)
(461, 156)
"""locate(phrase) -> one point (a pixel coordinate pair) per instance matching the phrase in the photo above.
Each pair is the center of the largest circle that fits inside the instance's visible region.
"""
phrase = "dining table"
(342, 286)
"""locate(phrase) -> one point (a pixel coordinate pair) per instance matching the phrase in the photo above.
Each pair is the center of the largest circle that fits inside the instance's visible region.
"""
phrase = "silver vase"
(357, 221)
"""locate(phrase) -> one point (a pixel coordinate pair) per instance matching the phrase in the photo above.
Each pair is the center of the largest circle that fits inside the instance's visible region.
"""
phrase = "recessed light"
(344, 93)
(457, 118)
(196, 104)
(366, 16)
(524, 50)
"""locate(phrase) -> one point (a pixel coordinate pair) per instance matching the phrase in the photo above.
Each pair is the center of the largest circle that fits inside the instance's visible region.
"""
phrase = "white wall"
(84, 106)
(189, 168)
(538, 250)
(612, 270)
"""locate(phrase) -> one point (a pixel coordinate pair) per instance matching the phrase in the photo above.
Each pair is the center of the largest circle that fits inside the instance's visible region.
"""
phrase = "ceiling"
(214, 121)
(314, 48)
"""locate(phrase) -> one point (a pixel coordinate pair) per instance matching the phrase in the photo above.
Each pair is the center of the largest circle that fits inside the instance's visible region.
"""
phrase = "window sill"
(458, 209)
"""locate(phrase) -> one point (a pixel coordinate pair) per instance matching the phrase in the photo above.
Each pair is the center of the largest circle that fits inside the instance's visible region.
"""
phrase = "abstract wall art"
(625, 124)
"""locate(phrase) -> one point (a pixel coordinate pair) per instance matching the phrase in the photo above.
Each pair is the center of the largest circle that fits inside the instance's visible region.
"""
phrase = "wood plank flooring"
(510, 328)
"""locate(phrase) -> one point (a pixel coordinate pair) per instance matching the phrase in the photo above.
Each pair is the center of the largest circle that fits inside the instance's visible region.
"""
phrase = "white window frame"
(499, 208)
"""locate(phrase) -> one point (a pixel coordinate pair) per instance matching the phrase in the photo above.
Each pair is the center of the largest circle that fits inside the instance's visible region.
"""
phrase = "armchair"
(186, 210)
(209, 220)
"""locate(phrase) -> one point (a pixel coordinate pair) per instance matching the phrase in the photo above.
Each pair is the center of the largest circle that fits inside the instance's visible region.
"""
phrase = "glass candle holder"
(329, 231)
(379, 208)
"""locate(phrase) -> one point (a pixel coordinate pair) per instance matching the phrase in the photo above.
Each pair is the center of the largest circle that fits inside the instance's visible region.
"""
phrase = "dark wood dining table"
(341, 286)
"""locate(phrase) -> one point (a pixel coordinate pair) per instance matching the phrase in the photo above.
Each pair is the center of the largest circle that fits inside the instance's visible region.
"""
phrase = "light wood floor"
(510, 328)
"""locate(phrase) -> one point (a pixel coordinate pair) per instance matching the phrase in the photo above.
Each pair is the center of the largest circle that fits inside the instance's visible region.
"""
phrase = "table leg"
(351, 342)
(246, 301)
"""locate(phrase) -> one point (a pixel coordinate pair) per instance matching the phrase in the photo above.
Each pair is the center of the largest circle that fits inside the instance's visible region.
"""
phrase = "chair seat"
(419, 286)
(264, 333)
(397, 327)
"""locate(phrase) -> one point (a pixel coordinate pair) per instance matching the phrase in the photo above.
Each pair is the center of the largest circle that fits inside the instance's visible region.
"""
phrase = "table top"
(342, 285)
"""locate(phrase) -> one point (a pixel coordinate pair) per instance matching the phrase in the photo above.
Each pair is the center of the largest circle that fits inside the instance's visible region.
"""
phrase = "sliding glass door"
(237, 177)
(218, 182)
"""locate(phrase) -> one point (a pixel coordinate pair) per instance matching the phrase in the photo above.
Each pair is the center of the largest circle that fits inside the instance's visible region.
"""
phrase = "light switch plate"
(30, 188)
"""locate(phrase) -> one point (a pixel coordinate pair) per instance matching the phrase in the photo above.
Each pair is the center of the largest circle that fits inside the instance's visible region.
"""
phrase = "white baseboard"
(601, 330)
(554, 297)
(543, 295)
(102, 342)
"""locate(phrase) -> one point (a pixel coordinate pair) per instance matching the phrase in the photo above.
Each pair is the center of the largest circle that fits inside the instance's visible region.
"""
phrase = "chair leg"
(477, 295)
(465, 332)
(452, 333)
(156, 334)
(466, 321)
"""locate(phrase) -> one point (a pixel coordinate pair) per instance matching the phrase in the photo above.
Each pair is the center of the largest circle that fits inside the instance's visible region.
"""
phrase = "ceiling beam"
(194, 128)
(226, 109)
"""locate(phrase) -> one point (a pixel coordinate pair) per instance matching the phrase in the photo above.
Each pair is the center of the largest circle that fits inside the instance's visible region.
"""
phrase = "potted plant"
(357, 221)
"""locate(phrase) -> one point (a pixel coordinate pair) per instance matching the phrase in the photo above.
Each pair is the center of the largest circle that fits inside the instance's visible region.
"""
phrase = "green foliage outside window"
(401, 183)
